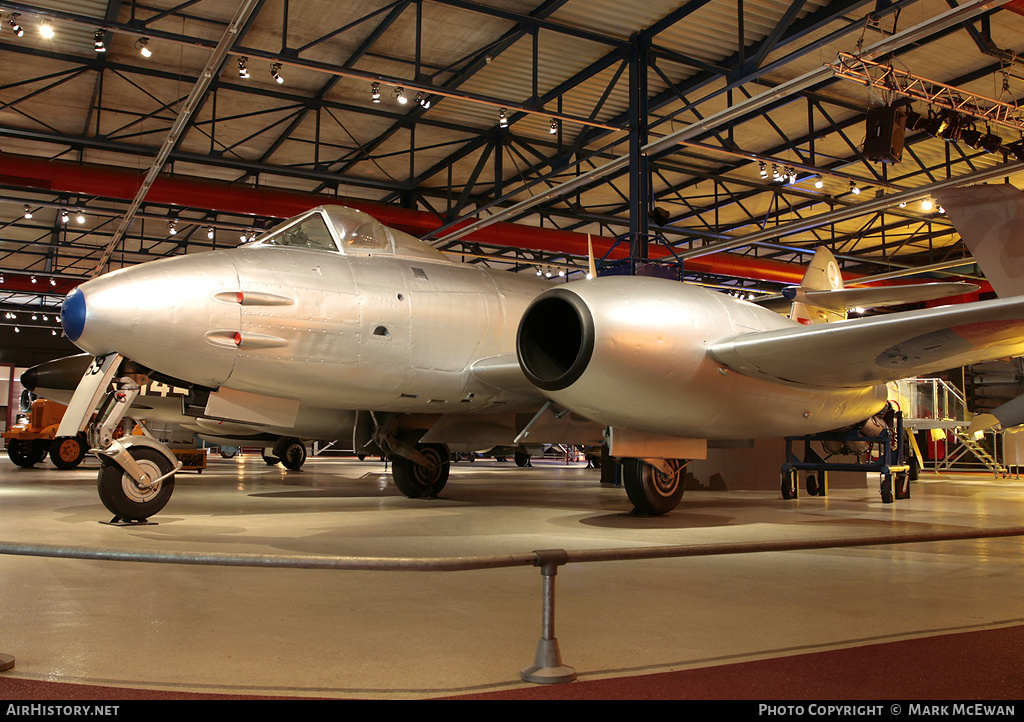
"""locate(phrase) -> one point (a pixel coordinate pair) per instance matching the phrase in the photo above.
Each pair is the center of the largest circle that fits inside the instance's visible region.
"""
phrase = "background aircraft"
(334, 326)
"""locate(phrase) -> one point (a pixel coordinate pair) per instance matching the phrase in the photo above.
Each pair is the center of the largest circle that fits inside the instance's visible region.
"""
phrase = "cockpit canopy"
(340, 229)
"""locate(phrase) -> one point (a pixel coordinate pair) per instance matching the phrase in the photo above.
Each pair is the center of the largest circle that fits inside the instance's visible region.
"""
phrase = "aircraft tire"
(416, 481)
(122, 497)
(294, 455)
(67, 452)
(652, 492)
(813, 488)
(522, 458)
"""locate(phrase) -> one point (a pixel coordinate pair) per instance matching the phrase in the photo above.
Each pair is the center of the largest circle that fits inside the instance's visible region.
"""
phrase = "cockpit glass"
(357, 230)
(310, 233)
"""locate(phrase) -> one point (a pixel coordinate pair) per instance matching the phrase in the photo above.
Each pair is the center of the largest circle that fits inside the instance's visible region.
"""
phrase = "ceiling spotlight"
(28, 211)
(791, 172)
(12, 20)
(990, 142)
(503, 118)
(33, 279)
(1017, 149)
(46, 29)
(80, 217)
(275, 73)
(64, 217)
(903, 204)
(142, 45)
(971, 137)
(950, 127)
(819, 183)
(926, 204)
(172, 228)
(553, 130)
(375, 92)
(52, 283)
(99, 43)
(209, 233)
(764, 169)
(243, 71)
(422, 101)
(399, 95)
(854, 189)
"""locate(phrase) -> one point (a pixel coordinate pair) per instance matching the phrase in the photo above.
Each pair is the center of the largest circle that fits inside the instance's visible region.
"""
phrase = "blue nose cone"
(72, 315)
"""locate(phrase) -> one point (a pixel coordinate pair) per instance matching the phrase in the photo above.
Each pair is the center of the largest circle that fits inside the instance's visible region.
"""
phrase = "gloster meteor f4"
(333, 326)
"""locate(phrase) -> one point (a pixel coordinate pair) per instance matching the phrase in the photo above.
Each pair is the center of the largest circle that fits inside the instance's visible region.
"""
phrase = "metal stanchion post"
(547, 667)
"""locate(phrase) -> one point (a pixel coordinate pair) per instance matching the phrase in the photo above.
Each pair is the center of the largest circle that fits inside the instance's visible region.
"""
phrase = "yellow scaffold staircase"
(934, 403)
(968, 444)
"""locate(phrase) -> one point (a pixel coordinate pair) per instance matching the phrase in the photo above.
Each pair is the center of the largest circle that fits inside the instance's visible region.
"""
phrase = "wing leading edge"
(865, 351)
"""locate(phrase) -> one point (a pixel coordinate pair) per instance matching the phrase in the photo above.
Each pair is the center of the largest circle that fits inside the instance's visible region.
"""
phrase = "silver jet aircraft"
(333, 326)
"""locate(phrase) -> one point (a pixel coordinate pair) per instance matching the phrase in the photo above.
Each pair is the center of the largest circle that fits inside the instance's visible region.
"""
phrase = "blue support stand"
(885, 454)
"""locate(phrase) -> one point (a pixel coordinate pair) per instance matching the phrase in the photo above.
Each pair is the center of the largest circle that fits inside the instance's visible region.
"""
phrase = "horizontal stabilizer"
(876, 296)
(879, 349)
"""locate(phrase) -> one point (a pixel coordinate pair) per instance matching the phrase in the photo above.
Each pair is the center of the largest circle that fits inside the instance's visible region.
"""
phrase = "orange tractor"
(35, 436)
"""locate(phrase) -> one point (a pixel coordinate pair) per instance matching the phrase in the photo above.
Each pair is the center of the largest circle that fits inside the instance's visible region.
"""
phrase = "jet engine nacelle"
(631, 353)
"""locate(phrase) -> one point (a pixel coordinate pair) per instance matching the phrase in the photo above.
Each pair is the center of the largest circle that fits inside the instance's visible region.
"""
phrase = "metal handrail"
(547, 667)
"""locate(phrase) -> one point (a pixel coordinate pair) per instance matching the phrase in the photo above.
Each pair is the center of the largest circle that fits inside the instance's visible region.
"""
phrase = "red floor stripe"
(982, 665)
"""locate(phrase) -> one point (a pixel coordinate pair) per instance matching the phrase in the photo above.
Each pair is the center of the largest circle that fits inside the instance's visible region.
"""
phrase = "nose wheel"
(128, 498)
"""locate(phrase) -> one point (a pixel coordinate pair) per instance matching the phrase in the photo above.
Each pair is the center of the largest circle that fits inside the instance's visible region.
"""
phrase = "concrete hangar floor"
(131, 625)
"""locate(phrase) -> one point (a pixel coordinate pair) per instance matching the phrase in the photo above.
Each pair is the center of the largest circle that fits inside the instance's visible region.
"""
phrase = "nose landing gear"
(136, 476)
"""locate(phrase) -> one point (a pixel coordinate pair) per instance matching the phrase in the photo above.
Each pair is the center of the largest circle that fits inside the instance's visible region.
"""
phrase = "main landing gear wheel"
(652, 491)
(291, 452)
(417, 481)
(122, 496)
(522, 458)
(67, 452)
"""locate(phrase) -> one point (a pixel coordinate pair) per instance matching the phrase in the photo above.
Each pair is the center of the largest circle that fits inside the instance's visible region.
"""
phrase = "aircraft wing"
(879, 349)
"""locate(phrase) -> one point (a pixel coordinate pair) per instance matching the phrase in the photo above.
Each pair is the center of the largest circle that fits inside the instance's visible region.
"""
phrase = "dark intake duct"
(555, 339)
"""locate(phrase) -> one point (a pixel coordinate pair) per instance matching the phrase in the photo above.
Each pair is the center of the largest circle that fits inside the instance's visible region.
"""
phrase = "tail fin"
(822, 275)
(990, 220)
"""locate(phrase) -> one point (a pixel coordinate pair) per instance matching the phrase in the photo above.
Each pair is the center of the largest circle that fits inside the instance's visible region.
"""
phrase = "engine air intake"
(555, 340)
